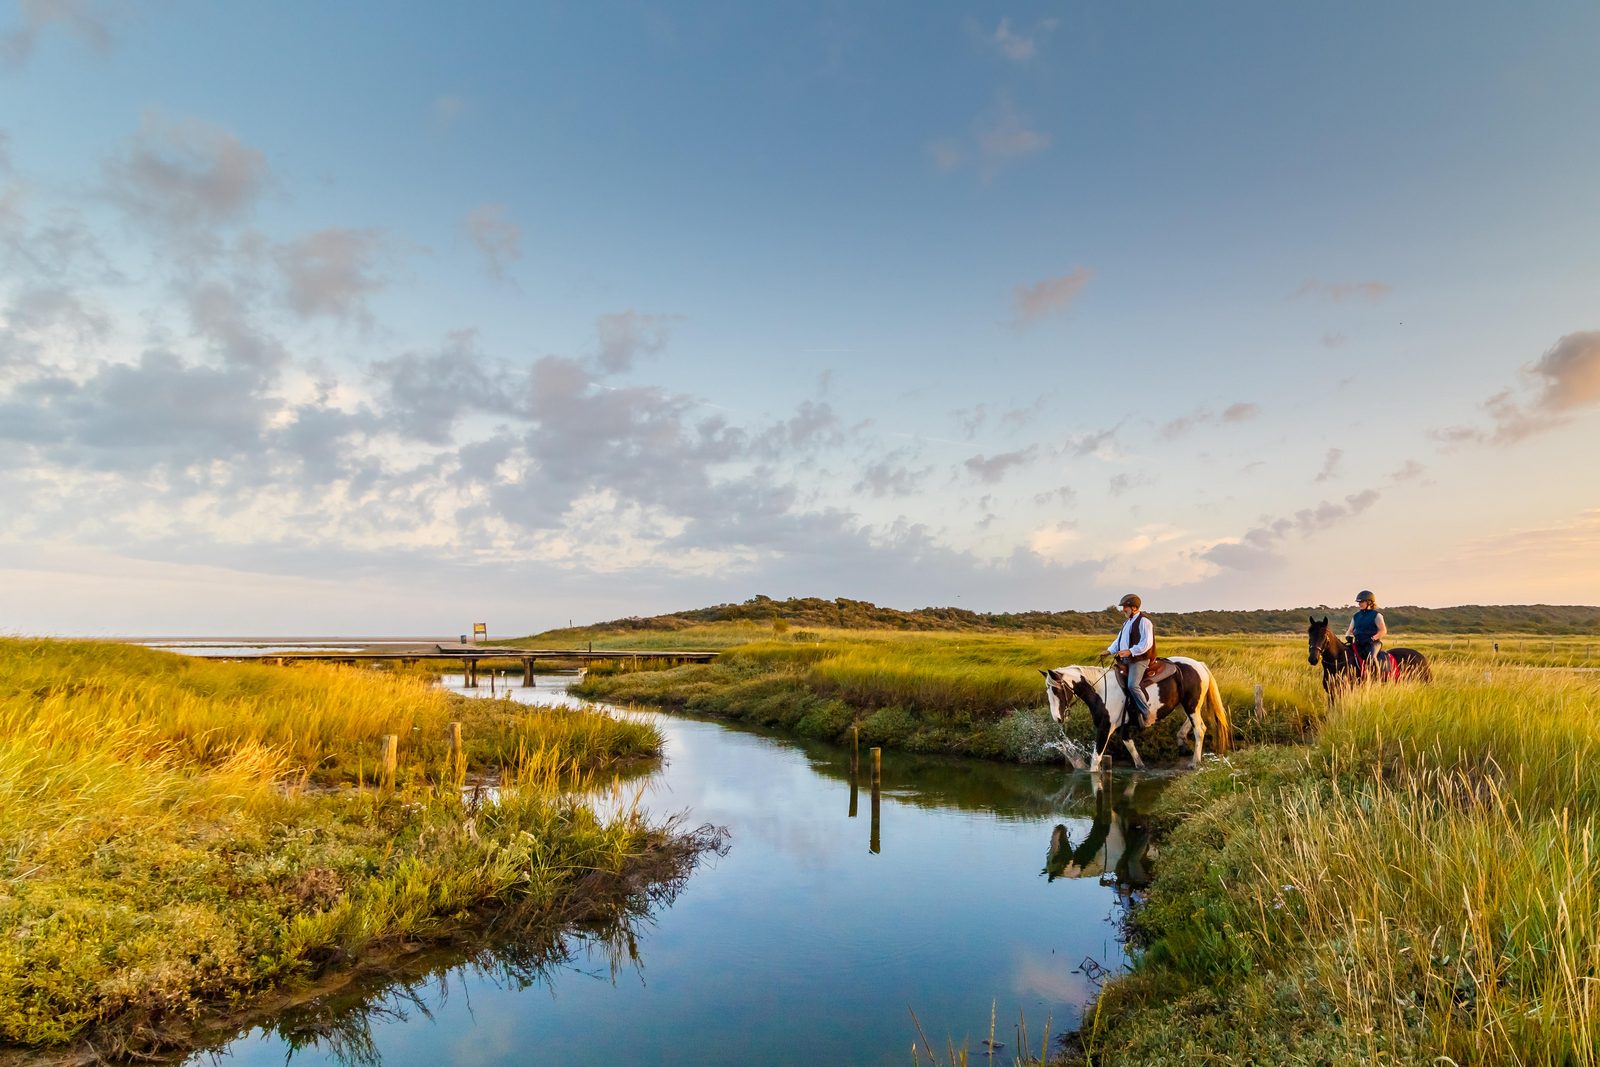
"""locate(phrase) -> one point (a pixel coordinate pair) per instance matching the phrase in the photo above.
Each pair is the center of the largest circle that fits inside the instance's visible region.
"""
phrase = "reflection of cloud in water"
(1049, 978)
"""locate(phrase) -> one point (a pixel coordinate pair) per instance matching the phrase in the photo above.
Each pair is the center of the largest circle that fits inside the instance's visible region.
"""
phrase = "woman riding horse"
(1343, 666)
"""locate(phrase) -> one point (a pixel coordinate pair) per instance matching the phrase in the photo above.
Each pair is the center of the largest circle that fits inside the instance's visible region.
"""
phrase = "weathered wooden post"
(852, 793)
(1261, 708)
(527, 672)
(877, 767)
(391, 753)
(458, 757)
(855, 749)
(874, 839)
(492, 673)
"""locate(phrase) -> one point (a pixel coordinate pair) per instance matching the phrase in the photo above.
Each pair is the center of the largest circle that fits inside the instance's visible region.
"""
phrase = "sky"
(342, 318)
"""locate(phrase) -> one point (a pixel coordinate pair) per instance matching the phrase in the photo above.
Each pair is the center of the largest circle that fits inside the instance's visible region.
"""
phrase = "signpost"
(480, 632)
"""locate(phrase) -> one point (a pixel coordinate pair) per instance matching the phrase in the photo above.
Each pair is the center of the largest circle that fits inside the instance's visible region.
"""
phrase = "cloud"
(625, 335)
(1257, 549)
(1568, 549)
(1007, 136)
(1015, 46)
(945, 153)
(422, 395)
(1334, 340)
(130, 416)
(890, 478)
(1052, 541)
(89, 21)
(1122, 483)
(998, 139)
(1097, 443)
(221, 314)
(1569, 372)
(1409, 472)
(1033, 302)
(1339, 291)
(1175, 428)
(1567, 380)
(1330, 465)
(186, 174)
(993, 469)
(331, 272)
(498, 240)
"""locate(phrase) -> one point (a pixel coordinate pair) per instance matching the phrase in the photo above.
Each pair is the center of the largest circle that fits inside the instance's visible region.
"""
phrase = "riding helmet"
(1129, 601)
(1364, 595)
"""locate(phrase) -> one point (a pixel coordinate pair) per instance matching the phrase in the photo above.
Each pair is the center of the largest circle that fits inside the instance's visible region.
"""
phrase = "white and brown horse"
(1191, 687)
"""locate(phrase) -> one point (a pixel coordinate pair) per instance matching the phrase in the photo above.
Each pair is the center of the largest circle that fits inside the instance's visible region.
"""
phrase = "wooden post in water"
(874, 839)
(852, 792)
(458, 758)
(391, 752)
(527, 672)
(492, 673)
(855, 749)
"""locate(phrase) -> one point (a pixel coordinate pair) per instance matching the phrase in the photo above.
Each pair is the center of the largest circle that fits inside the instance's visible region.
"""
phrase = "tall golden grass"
(161, 852)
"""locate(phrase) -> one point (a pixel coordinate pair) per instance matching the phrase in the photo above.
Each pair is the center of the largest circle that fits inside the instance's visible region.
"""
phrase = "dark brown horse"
(1343, 668)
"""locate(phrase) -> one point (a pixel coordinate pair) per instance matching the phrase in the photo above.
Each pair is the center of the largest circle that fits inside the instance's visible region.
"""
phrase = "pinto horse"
(1342, 668)
(1192, 687)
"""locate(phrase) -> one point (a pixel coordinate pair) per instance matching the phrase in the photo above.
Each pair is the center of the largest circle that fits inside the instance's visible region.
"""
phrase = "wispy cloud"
(1017, 45)
(1257, 548)
(1330, 465)
(497, 239)
(1338, 291)
(93, 22)
(1565, 380)
(993, 469)
(1048, 296)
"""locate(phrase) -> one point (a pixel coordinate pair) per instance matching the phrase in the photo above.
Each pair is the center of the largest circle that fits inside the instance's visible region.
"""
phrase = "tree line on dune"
(864, 615)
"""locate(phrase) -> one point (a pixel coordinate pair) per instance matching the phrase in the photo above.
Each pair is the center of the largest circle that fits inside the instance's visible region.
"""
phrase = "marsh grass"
(177, 835)
(953, 692)
(1422, 884)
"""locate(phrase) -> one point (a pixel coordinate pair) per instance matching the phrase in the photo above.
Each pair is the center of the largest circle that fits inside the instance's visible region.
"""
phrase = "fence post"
(458, 758)
(1261, 708)
(391, 752)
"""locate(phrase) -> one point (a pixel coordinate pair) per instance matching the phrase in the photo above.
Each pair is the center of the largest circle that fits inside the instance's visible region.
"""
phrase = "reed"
(1422, 884)
(177, 836)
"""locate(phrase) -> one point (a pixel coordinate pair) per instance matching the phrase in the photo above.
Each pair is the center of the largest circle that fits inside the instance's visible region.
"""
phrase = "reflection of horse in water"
(1178, 682)
(1342, 667)
(1114, 848)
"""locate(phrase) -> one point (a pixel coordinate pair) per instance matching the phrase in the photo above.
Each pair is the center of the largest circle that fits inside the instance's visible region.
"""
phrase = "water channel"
(978, 888)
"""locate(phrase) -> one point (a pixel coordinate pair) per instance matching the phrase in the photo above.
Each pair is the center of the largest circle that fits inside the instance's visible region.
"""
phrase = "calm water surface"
(813, 938)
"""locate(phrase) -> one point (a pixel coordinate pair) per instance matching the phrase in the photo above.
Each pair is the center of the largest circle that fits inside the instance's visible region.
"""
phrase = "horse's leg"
(1127, 743)
(1199, 725)
(1102, 739)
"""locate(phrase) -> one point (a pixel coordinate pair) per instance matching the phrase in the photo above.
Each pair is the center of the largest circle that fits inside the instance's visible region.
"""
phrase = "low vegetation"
(1410, 878)
(1420, 885)
(178, 838)
(813, 613)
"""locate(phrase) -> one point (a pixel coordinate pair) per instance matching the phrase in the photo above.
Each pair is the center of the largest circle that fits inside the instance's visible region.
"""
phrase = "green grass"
(178, 837)
(1421, 882)
(959, 693)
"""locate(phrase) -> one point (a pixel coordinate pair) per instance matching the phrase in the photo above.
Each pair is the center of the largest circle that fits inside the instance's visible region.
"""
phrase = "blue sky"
(336, 318)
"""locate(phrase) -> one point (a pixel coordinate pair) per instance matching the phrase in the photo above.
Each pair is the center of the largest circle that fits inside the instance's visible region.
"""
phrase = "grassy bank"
(1417, 886)
(179, 838)
(960, 693)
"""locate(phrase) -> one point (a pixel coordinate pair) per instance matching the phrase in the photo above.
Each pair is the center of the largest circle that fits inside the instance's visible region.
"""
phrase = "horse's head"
(1064, 683)
(1316, 639)
(1058, 687)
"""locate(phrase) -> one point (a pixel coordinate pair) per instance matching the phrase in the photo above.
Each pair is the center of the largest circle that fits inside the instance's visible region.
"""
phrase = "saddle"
(1160, 670)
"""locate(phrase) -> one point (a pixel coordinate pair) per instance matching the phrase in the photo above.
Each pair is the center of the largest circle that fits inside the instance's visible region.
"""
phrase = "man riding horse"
(1134, 649)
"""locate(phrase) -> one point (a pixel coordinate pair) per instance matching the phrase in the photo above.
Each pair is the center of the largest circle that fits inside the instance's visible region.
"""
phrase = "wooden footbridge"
(471, 657)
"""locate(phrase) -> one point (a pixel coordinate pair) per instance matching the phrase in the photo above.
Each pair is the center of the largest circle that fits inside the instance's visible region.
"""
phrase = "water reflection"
(1117, 844)
(938, 904)
(340, 1024)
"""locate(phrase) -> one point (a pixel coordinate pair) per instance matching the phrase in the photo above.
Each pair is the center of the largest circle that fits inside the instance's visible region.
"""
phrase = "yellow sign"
(480, 629)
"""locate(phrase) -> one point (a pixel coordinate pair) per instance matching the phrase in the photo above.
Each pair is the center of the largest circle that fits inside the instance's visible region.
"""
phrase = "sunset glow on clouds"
(316, 322)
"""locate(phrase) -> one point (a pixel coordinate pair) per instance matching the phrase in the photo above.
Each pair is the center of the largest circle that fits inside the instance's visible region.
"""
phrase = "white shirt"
(1147, 636)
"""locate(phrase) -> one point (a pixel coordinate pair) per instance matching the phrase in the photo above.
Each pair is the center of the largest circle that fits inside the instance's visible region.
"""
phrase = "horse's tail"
(1216, 716)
